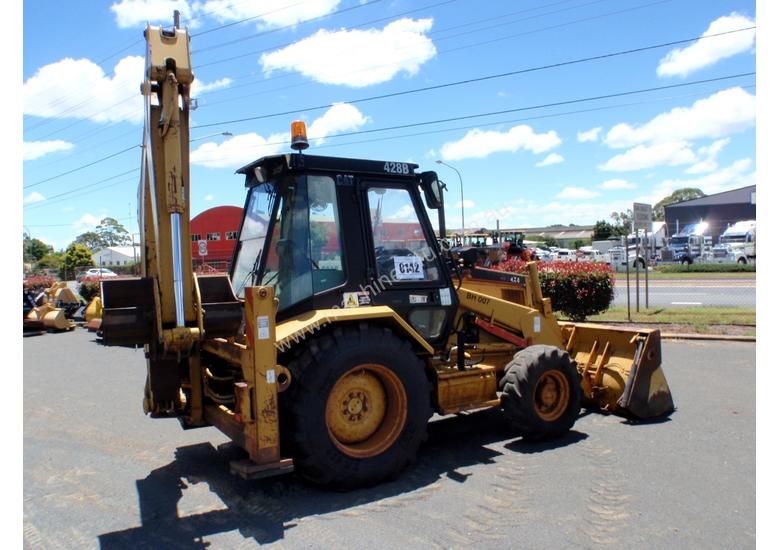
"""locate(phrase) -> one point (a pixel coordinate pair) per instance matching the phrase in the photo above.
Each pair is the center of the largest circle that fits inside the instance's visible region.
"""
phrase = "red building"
(218, 228)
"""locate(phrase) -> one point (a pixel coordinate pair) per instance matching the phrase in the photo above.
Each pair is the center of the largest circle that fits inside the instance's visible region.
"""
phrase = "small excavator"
(344, 322)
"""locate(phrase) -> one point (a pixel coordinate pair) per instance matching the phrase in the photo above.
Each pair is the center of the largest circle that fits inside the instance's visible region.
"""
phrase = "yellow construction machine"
(53, 309)
(344, 323)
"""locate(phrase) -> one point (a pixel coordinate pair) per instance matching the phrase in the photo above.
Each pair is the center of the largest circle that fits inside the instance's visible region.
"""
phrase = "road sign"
(643, 216)
(203, 248)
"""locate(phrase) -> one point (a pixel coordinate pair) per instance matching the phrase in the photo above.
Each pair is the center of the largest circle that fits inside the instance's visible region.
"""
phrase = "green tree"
(602, 230)
(34, 249)
(550, 241)
(319, 238)
(91, 239)
(53, 260)
(113, 232)
(684, 194)
(108, 233)
(579, 243)
(76, 256)
(622, 225)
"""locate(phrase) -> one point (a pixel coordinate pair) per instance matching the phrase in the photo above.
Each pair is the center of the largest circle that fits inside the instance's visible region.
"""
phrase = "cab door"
(406, 271)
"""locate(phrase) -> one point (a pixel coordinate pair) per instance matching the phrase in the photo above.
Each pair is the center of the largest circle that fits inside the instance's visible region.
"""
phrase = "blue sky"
(575, 162)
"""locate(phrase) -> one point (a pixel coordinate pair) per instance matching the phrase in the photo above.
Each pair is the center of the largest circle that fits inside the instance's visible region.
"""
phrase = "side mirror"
(432, 189)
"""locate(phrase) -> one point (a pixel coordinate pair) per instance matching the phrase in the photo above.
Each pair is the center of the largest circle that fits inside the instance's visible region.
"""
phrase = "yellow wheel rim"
(366, 410)
(551, 395)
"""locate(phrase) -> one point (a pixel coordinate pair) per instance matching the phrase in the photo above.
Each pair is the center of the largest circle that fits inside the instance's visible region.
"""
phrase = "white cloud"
(532, 214)
(580, 213)
(479, 144)
(208, 198)
(87, 222)
(649, 156)
(199, 88)
(616, 184)
(406, 212)
(357, 58)
(36, 149)
(589, 135)
(552, 158)
(244, 148)
(132, 13)
(34, 197)
(272, 13)
(734, 176)
(723, 113)
(238, 150)
(467, 203)
(708, 158)
(79, 88)
(340, 117)
(487, 218)
(703, 53)
(576, 193)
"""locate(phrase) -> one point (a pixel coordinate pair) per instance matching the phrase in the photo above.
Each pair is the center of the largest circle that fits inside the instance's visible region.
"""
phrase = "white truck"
(655, 241)
(692, 243)
(736, 245)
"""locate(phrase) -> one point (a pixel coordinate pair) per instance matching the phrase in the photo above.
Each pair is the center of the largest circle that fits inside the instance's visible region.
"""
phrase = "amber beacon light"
(299, 142)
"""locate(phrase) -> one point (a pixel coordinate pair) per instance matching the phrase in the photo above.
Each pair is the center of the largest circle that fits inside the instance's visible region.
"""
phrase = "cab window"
(401, 249)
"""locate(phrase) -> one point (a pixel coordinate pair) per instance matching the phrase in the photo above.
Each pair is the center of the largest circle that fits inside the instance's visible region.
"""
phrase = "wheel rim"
(551, 395)
(366, 410)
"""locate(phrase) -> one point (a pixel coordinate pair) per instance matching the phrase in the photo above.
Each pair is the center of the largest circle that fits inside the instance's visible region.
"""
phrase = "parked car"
(95, 272)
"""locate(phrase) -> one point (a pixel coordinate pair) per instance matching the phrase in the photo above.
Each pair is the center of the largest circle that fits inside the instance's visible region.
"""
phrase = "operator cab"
(331, 232)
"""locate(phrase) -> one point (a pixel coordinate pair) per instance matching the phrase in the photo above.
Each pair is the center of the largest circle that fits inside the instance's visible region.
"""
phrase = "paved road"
(97, 473)
(687, 292)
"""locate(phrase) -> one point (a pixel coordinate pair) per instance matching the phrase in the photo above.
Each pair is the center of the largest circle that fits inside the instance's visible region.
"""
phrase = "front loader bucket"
(620, 368)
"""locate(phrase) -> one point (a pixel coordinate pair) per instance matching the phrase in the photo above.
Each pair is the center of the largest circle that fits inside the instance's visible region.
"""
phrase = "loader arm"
(620, 369)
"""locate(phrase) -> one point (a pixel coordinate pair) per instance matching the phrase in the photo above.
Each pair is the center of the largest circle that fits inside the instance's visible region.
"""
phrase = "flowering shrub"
(89, 288)
(36, 283)
(576, 289)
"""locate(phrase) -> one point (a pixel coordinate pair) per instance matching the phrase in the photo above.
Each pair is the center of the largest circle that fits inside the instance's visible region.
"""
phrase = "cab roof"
(294, 162)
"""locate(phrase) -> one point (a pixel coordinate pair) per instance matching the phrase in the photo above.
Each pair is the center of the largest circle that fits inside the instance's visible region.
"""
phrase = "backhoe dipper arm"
(164, 190)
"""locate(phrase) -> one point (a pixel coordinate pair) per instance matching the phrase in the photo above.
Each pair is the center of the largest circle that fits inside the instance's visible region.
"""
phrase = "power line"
(67, 194)
(473, 80)
(528, 108)
(61, 199)
(353, 27)
(82, 167)
(452, 119)
(523, 119)
(71, 225)
(233, 23)
(85, 186)
(277, 29)
(476, 44)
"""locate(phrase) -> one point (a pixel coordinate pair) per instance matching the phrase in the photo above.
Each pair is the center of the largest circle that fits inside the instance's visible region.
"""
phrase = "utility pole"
(462, 204)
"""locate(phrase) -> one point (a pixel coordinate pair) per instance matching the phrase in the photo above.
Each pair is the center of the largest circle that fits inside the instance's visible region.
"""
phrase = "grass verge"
(686, 315)
(656, 275)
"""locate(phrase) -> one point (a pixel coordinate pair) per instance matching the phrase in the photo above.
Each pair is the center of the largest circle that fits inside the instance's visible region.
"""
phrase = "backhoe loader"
(344, 323)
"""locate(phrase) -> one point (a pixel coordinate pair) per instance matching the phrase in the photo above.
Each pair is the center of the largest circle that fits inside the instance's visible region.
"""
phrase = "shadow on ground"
(264, 509)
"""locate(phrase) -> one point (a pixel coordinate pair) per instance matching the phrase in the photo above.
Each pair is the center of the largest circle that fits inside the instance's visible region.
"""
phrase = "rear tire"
(357, 409)
(540, 392)
(742, 261)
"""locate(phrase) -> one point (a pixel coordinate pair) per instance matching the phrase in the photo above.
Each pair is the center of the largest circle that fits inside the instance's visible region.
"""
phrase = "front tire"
(357, 409)
(540, 392)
